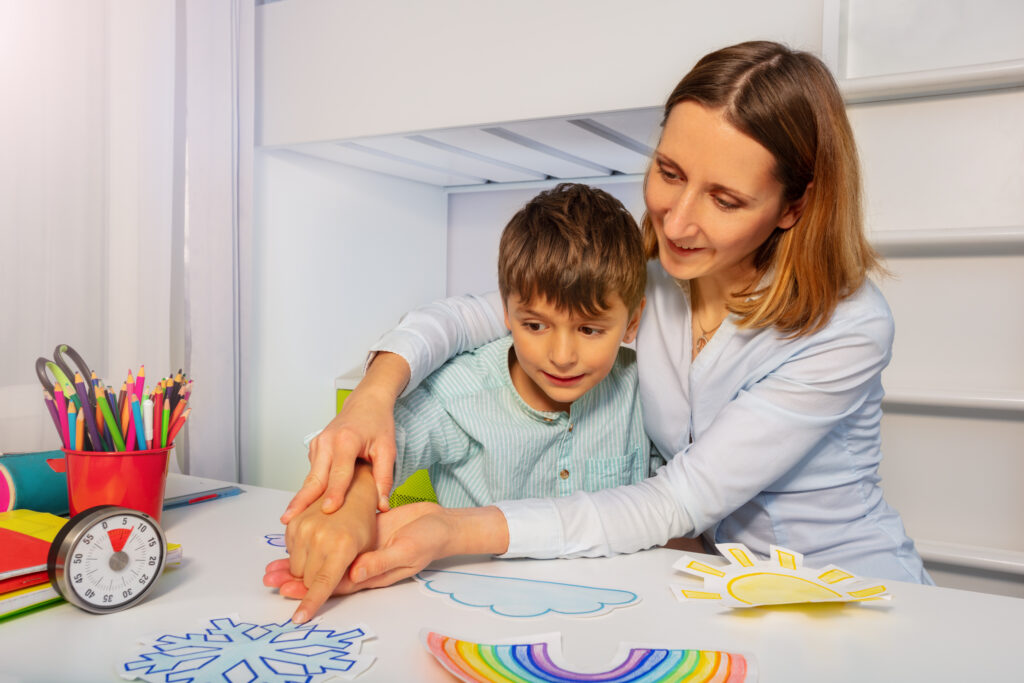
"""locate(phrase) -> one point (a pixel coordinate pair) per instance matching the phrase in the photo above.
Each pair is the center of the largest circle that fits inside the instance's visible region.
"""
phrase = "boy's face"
(560, 356)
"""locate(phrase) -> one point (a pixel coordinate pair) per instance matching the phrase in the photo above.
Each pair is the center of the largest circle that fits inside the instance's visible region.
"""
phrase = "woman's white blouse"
(768, 440)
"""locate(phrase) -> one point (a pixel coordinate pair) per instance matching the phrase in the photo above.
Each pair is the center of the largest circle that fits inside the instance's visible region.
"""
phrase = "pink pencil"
(62, 413)
(140, 382)
(130, 441)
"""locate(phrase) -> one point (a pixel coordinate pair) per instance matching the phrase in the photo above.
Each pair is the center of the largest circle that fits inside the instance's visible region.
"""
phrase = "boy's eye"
(589, 331)
(533, 327)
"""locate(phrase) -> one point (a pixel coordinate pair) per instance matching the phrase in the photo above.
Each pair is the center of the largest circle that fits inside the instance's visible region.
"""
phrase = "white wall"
(338, 255)
(953, 163)
(334, 70)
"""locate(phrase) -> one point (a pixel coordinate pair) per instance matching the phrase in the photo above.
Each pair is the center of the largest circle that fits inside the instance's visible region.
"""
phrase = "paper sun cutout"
(234, 651)
(537, 659)
(515, 597)
(748, 581)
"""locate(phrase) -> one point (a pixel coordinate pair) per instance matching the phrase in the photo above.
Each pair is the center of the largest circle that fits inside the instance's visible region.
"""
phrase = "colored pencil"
(140, 382)
(120, 399)
(178, 425)
(158, 413)
(176, 413)
(73, 435)
(165, 423)
(52, 409)
(80, 430)
(108, 417)
(62, 412)
(147, 421)
(86, 409)
(140, 429)
(126, 413)
(129, 432)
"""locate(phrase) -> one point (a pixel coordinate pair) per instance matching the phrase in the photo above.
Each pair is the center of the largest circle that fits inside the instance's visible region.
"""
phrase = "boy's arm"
(363, 430)
(322, 546)
(426, 435)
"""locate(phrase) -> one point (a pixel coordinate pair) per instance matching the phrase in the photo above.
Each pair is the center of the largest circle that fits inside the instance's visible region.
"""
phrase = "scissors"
(63, 375)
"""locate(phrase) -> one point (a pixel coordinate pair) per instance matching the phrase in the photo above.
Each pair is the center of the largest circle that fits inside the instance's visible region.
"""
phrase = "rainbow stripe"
(526, 663)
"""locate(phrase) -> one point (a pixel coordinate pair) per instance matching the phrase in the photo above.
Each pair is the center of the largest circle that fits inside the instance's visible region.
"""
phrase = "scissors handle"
(42, 365)
(83, 368)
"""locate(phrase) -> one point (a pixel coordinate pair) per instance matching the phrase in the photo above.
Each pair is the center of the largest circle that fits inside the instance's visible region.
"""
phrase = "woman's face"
(712, 198)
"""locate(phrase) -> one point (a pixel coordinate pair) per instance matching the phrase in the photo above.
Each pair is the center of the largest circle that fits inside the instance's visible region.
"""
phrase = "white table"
(925, 633)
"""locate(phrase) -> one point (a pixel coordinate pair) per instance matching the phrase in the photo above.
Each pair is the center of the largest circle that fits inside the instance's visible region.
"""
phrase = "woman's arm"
(755, 440)
(758, 438)
(364, 429)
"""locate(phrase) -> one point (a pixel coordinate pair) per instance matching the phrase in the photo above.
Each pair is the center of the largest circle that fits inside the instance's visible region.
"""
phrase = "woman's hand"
(412, 536)
(321, 547)
(364, 429)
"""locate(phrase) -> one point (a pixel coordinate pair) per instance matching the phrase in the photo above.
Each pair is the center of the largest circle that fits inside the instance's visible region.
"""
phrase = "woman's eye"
(667, 173)
(725, 203)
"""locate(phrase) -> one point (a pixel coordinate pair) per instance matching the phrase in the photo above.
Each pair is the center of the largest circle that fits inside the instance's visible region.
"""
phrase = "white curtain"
(125, 165)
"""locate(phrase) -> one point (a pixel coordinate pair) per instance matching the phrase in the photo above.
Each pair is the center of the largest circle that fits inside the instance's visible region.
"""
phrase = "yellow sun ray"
(747, 581)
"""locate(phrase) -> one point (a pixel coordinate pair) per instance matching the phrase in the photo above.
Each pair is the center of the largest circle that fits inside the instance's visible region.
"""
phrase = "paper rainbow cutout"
(536, 661)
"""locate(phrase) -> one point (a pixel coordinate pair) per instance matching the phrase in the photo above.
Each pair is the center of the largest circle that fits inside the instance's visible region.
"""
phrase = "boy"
(554, 408)
(550, 410)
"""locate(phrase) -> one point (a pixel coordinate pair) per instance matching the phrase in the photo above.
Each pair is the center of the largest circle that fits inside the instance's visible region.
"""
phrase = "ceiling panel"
(580, 143)
(372, 160)
(522, 151)
(500, 148)
(423, 150)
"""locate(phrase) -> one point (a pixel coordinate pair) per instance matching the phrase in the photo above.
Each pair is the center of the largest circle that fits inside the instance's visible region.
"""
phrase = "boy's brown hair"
(573, 245)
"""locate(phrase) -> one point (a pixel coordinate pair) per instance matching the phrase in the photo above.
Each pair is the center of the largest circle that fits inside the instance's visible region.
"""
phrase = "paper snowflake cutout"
(748, 581)
(276, 540)
(234, 651)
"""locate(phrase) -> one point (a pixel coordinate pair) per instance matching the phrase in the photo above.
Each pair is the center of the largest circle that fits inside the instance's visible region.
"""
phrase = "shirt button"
(547, 419)
(570, 428)
(564, 474)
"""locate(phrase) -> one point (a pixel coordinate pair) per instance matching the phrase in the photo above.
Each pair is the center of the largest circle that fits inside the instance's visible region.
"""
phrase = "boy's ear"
(504, 308)
(634, 322)
(795, 209)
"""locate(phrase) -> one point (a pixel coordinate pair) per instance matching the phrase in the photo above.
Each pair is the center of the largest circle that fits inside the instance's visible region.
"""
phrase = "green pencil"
(165, 424)
(108, 417)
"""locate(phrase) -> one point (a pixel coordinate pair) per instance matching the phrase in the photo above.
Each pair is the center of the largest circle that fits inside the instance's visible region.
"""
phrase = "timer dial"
(107, 558)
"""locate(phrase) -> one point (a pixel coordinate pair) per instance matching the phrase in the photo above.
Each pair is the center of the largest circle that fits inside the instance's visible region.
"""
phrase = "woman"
(760, 353)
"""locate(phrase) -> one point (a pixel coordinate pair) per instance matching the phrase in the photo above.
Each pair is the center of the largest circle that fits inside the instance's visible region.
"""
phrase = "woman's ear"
(634, 322)
(794, 210)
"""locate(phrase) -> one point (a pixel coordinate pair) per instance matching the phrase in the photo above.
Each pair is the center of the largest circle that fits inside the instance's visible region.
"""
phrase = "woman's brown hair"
(788, 102)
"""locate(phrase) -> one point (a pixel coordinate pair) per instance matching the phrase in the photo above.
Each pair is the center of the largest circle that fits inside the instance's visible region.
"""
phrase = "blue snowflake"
(233, 651)
(276, 540)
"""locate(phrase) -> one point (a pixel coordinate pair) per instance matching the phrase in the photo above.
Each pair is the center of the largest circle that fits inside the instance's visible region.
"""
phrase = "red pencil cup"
(132, 479)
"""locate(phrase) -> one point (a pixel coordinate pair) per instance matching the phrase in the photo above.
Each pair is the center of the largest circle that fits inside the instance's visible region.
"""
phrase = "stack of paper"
(25, 538)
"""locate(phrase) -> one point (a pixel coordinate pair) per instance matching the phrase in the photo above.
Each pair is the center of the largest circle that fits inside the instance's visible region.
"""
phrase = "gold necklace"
(705, 335)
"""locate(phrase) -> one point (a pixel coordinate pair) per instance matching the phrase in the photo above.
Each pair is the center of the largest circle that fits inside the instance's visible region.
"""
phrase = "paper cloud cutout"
(515, 597)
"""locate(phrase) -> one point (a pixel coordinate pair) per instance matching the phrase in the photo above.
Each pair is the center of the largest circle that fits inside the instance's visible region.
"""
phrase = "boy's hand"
(321, 547)
(415, 536)
(412, 536)
(364, 429)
